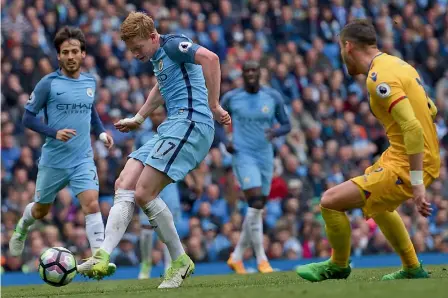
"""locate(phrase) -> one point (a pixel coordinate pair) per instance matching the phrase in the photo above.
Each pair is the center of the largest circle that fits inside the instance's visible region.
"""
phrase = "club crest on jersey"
(373, 76)
(184, 46)
(160, 65)
(90, 92)
(265, 109)
(383, 90)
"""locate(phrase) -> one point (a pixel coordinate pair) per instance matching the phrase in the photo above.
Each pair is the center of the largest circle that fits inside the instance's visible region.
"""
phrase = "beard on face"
(71, 67)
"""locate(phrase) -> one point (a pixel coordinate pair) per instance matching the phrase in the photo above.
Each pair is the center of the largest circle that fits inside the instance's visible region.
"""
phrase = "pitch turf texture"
(364, 283)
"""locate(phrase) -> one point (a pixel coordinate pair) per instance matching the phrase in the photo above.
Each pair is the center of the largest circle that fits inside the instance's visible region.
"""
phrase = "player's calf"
(32, 212)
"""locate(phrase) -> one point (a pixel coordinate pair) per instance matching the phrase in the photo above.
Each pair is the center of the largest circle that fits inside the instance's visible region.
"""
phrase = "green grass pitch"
(364, 283)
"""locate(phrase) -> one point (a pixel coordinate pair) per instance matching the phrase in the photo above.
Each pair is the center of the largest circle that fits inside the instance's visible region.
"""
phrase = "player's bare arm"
(412, 131)
(212, 74)
(153, 101)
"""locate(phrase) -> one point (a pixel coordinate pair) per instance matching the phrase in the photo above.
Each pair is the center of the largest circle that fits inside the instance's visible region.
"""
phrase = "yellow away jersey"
(391, 80)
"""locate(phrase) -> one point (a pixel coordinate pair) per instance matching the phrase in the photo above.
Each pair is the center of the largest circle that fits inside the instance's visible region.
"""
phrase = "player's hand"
(65, 134)
(126, 125)
(423, 206)
(107, 140)
(269, 133)
(230, 148)
(221, 115)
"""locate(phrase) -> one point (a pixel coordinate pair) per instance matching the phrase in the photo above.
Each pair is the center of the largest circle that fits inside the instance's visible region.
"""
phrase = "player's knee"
(123, 183)
(91, 206)
(256, 202)
(328, 199)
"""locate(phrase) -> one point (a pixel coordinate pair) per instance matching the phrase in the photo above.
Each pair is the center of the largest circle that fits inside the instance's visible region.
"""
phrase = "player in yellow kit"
(405, 169)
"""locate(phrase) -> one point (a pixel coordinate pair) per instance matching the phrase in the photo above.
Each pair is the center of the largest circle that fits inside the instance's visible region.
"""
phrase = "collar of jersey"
(371, 62)
(59, 72)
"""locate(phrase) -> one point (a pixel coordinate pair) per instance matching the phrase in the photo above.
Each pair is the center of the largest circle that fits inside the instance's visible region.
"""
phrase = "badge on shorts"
(265, 109)
(90, 92)
(246, 179)
(160, 65)
(383, 90)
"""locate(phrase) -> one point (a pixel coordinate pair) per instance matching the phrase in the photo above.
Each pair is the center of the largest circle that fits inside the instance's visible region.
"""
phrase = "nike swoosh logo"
(153, 157)
(186, 272)
(59, 93)
(96, 233)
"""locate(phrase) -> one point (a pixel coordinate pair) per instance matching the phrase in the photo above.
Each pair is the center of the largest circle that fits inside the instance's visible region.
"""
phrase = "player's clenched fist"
(128, 124)
(221, 115)
(107, 140)
(65, 134)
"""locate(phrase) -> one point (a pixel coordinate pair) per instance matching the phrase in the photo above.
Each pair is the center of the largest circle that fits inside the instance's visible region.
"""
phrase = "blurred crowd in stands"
(334, 136)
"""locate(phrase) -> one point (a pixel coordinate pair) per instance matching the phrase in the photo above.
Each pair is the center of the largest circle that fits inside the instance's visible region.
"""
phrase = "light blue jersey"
(253, 114)
(181, 82)
(184, 138)
(66, 103)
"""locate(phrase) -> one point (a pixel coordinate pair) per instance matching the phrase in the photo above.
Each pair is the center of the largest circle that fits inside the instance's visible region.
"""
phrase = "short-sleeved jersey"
(389, 81)
(66, 103)
(252, 114)
(181, 81)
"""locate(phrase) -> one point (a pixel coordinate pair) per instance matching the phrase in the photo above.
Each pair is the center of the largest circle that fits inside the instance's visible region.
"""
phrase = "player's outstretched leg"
(334, 202)
(146, 244)
(94, 224)
(149, 185)
(395, 232)
(120, 216)
(32, 212)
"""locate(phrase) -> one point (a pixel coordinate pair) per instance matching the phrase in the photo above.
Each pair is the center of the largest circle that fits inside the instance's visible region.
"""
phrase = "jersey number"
(170, 146)
(95, 177)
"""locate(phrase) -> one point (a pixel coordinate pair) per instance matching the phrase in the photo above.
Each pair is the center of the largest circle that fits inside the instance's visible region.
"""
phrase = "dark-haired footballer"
(66, 98)
(405, 169)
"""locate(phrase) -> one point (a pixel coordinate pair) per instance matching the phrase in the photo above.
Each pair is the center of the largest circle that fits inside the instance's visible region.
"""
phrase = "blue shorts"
(253, 172)
(170, 195)
(179, 146)
(51, 180)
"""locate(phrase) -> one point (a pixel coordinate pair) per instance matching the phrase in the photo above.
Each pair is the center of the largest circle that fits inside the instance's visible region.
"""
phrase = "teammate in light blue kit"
(254, 110)
(170, 195)
(188, 77)
(66, 97)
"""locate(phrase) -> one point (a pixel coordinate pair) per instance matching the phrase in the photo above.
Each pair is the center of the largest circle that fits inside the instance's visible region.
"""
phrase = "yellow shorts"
(384, 189)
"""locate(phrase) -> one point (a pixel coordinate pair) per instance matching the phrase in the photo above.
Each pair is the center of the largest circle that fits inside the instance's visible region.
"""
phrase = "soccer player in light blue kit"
(254, 110)
(189, 78)
(66, 97)
(170, 195)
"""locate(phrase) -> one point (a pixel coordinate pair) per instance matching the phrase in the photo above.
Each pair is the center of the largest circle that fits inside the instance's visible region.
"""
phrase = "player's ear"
(153, 37)
(348, 46)
(83, 54)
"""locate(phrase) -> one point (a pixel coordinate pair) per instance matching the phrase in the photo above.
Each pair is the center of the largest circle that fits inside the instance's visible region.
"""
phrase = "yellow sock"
(395, 232)
(338, 230)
